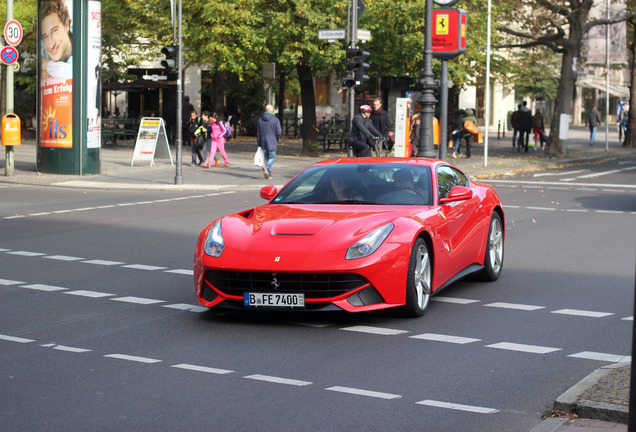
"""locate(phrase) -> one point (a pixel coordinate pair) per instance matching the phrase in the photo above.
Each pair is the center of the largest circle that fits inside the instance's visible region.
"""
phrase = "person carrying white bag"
(268, 133)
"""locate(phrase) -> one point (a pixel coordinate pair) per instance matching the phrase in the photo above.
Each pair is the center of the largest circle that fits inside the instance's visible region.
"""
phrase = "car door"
(460, 229)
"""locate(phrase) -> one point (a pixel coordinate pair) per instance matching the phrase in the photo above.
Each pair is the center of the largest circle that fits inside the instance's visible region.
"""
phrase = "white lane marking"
(459, 407)
(454, 300)
(39, 214)
(14, 217)
(91, 294)
(609, 211)
(181, 271)
(577, 210)
(360, 392)
(560, 183)
(629, 318)
(4, 250)
(61, 211)
(103, 262)
(516, 306)
(65, 348)
(138, 300)
(612, 358)
(41, 287)
(278, 380)
(26, 253)
(541, 208)
(533, 349)
(599, 174)
(582, 313)
(143, 267)
(445, 338)
(202, 369)
(133, 358)
(10, 282)
(374, 330)
(15, 339)
(560, 173)
(84, 209)
(186, 307)
(63, 258)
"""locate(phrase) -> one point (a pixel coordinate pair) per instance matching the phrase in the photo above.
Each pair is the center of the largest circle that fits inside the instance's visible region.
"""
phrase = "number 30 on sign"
(13, 32)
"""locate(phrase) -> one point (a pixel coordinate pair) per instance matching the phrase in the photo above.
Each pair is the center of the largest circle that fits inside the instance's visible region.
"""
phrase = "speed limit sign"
(13, 32)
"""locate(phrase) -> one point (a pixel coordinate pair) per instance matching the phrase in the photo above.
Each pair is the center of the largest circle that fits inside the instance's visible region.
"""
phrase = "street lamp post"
(427, 100)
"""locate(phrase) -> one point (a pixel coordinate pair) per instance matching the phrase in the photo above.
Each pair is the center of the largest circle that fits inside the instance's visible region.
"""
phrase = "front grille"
(313, 285)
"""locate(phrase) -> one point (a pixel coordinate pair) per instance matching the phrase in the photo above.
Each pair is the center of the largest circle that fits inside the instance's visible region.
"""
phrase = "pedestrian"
(538, 127)
(363, 134)
(457, 134)
(592, 121)
(469, 115)
(186, 111)
(216, 132)
(380, 119)
(525, 127)
(268, 132)
(621, 119)
(514, 121)
(196, 131)
(206, 124)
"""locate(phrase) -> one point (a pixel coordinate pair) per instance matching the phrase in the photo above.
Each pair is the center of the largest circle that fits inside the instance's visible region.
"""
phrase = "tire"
(292, 131)
(493, 261)
(418, 281)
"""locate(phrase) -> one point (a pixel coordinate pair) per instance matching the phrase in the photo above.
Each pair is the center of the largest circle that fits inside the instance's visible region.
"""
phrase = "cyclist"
(363, 135)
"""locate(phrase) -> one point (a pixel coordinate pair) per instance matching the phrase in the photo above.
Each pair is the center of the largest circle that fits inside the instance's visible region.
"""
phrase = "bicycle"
(294, 130)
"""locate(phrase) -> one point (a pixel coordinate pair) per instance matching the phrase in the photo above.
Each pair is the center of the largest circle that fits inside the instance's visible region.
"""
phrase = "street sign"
(364, 35)
(449, 33)
(13, 32)
(155, 77)
(332, 34)
(9, 55)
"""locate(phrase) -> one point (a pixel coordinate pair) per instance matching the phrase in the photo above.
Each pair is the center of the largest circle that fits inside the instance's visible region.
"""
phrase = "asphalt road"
(100, 329)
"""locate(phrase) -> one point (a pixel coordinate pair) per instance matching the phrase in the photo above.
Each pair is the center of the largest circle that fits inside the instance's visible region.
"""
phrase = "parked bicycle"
(294, 130)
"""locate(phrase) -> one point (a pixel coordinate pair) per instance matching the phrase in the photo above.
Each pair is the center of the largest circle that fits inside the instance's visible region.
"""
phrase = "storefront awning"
(614, 89)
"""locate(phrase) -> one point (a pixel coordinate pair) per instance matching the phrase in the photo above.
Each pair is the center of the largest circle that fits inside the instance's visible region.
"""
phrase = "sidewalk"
(117, 172)
(602, 398)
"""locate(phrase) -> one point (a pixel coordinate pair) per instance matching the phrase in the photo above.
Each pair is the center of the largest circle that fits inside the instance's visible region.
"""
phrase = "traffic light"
(172, 53)
(348, 81)
(357, 65)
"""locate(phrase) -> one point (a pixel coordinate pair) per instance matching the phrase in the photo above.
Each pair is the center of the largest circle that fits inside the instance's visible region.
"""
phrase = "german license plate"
(278, 300)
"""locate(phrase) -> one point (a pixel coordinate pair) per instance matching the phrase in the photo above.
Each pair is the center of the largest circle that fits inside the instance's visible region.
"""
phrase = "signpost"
(9, 55)
(13, 32)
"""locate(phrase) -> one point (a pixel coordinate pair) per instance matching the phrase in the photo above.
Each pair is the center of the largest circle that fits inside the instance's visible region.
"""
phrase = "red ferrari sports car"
(355, 234)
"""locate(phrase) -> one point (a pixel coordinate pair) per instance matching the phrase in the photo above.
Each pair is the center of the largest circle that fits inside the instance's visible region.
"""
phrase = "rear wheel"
(418, 282)
(493, 261)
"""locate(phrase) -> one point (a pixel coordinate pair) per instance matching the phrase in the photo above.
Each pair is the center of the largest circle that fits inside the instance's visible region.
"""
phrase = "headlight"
(214, 243)
(370, 243)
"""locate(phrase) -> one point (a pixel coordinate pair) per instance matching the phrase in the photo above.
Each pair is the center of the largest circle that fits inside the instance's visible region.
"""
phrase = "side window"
(447, 177)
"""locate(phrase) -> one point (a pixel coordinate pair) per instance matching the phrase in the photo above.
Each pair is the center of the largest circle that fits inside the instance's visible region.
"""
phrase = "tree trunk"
(309, 130)
(630, 132)
(281, 97)
(219, 92)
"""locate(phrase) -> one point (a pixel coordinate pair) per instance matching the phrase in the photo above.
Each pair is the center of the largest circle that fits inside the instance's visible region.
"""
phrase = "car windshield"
(364, 183)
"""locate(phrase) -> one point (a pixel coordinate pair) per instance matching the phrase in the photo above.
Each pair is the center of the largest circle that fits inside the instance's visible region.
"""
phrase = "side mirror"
(268, 192)
(458, 193)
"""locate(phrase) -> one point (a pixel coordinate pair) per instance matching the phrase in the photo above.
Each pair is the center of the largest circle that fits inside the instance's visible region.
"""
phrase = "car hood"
(308, 228)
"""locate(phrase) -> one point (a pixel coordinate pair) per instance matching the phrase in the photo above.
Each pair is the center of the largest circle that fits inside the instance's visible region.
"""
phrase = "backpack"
(228, 129)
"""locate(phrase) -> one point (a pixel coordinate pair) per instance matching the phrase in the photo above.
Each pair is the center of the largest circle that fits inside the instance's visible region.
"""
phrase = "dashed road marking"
(582, 313)
(360, 392)
(15, 339)
(515, 306)
(454, 300)
(205, 369)
(374, 330)
(445, 338)
(41, 287)
(90, 294)
(532, 349)
(278, 380)
(459, 407)
(612, 358)
(133, 358)
(137, 300)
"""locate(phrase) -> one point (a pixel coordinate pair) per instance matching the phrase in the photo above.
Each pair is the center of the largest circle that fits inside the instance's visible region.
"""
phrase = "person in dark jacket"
(525, 127)
(363, 134)
(380, 119)
(593, 120)
(469, 115)
(458, 129)
(268, 133)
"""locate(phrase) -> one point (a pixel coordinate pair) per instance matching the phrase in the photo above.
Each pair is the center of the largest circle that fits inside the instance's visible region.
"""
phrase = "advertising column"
(69, 44)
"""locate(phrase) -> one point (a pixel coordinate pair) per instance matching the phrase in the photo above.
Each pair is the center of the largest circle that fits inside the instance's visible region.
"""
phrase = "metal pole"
(426, 147)
(353, 36)
(9, 155)
(607, 77)
(443, 111)
(487, 99)
(178, 178)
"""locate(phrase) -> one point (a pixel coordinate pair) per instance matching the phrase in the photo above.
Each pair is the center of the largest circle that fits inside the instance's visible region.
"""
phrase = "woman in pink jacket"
(217, 132)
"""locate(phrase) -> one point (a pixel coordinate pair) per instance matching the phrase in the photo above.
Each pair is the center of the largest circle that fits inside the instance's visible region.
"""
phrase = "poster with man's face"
(56, 73)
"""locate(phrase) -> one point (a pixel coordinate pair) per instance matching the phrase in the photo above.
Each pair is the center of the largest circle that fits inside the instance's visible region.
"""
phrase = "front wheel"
(418, 282)
(493, 261)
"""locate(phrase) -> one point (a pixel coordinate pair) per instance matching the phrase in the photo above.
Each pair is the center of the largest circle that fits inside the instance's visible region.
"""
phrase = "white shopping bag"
(259, 158)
